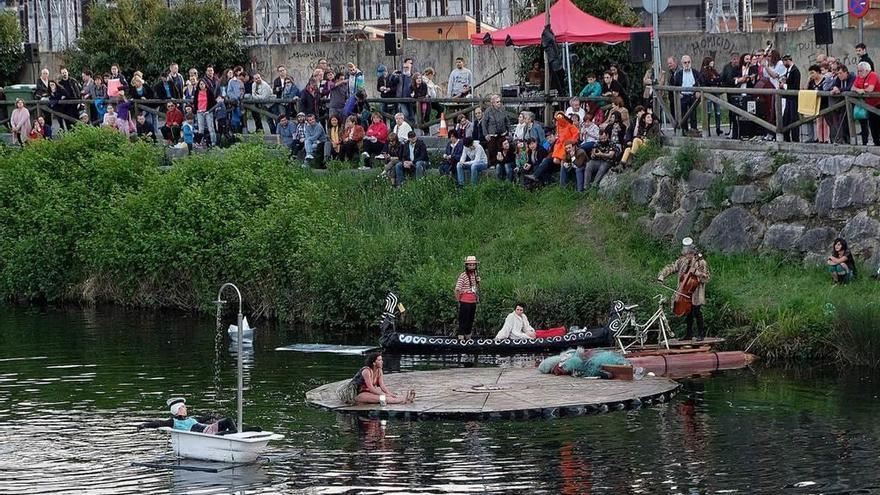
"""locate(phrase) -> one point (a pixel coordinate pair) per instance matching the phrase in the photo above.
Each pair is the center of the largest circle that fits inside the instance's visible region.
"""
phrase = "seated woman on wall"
(516, 326)
(648, 129)
(841, 263)
(368, 386)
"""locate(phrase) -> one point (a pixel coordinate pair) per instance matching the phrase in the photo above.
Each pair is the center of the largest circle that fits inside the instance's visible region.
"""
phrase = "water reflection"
(74, 384)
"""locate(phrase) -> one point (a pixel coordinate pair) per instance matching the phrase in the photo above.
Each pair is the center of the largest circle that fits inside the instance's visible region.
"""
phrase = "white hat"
(471, 259)
(175, 403)
(687, 241)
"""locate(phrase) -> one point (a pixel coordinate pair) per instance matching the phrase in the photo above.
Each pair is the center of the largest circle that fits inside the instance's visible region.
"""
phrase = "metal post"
(240, 395)
(655, 44)
(568, 67)
(862, 30)
(548, 109)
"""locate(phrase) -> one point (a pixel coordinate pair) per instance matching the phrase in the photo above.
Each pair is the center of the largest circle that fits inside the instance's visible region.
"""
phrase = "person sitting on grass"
(841, 264)
(516, 325)
(452, 154)
(473, 160)
(601, 160)
(314, 136)
(368, 386)
(179, 420)
(413, 159)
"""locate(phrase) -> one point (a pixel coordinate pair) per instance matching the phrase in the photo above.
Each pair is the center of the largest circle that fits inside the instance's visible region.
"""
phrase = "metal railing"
(845, 102)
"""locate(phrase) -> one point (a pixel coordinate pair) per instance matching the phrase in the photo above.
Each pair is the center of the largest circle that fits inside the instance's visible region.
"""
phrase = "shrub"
(688, 157)
(856, 334)
(652, 150)
(11, 53)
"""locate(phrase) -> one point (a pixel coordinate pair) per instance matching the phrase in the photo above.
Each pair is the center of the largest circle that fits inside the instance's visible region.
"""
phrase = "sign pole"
(655, 23)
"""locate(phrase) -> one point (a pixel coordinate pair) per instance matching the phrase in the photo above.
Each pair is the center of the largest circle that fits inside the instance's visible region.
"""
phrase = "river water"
(75, 383)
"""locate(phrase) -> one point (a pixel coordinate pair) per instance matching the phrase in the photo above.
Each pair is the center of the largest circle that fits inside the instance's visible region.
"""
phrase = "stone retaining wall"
(747, 201)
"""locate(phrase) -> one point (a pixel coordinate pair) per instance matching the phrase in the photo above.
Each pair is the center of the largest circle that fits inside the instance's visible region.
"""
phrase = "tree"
(596, 57)
(146, 35)
(11, 52)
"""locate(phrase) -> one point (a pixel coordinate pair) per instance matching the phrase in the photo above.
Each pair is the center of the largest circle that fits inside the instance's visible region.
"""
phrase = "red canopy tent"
(570, 25)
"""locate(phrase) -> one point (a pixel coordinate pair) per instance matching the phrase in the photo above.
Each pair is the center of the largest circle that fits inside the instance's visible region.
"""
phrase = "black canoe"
(597, 337)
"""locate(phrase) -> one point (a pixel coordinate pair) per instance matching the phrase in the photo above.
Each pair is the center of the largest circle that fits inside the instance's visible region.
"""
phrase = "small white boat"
(240, 447)
(248, 332)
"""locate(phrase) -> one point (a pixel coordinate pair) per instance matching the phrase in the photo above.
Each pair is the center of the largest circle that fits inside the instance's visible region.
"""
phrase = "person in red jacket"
(375, 139)
(173, 121)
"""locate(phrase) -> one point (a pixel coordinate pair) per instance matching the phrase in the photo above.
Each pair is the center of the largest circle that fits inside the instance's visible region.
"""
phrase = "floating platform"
(500, 393)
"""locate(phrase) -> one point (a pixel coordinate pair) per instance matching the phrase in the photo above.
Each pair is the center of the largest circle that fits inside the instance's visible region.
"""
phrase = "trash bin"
(23, 91)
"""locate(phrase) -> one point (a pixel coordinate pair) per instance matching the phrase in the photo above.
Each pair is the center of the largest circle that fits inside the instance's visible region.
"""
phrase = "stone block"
(643, 189)
(744, 194)
(791, 177)
(868, 160)
(835, 164)
(751, 165)
(734, 230)
(685, 227)
(824, 197)
(664, 198)
(786, 208)
(853, 190)
(664, 224)
(817, 240)
(695, 200)
(861, 228)
(661, 167)
(782, 237)
(813, 260)
(699, 181)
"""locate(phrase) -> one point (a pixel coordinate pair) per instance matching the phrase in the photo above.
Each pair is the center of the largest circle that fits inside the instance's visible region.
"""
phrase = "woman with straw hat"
(466, 293)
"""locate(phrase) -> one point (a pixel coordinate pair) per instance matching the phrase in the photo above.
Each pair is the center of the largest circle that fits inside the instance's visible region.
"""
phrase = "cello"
(681, 304)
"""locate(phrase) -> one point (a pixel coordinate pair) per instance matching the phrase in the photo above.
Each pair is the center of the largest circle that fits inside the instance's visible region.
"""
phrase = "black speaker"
(393, 44)
(32, 53)
(640, 47)
(822, 26)
(773, 8)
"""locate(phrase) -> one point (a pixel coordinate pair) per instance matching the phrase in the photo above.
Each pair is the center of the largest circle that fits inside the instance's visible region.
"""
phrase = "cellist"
(690, 264)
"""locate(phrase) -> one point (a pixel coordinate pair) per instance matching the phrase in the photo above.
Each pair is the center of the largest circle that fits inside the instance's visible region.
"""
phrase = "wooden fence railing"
(845, 102)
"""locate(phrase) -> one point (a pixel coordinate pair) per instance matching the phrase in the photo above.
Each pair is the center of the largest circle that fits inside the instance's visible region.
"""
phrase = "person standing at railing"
(434, 91)
(712, 79)
(403, 80)
(687, 78)
(262, 92)
(840, 127)
(140, 91)
(791, 80)
(867, 82)
(74, 90)
(386, 88)
(20, 123)
(175, 78)
(234, 94)
(862, 52)
(461, 80)
(665, 79)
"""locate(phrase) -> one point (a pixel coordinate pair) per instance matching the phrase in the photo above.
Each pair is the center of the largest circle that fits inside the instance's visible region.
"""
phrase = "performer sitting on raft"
(180, 421)
(516, 326)
(690, 264)
(368, 386)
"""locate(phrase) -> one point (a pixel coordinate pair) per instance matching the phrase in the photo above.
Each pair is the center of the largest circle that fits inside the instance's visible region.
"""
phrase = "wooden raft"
(500, 393)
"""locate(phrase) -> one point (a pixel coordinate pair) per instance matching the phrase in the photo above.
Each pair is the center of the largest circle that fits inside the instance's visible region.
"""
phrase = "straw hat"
(471, 259)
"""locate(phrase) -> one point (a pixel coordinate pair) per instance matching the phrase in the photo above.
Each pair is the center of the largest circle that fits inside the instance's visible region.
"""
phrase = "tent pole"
(548, 109)
(568, 67)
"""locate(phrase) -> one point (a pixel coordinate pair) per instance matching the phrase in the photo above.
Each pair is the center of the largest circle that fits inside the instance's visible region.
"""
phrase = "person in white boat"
(517, 325)
(180, 420)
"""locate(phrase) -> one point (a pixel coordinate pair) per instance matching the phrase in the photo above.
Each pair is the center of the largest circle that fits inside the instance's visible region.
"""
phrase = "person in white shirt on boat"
(181, 421)
(517, 325)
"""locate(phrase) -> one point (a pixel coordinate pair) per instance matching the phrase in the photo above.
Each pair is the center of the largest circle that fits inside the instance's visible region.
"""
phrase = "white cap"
(687, 241)
(175, 403)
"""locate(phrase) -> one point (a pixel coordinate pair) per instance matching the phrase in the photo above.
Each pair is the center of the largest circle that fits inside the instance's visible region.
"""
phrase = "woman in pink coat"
(20, 122)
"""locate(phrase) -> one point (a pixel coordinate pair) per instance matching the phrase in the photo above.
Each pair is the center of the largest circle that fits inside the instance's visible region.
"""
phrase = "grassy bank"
(90, 218)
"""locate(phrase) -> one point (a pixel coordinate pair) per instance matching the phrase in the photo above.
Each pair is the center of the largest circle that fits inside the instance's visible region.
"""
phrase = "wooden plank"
(742, 113)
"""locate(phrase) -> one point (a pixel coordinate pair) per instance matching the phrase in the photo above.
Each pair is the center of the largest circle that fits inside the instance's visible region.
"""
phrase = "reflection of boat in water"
(235, 479)
(247, 333)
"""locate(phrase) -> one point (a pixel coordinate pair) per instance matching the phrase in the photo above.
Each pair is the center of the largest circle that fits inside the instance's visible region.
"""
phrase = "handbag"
(860, 113)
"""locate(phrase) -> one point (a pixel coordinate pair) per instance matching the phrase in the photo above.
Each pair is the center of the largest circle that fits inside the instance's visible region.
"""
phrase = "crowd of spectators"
(329, 118)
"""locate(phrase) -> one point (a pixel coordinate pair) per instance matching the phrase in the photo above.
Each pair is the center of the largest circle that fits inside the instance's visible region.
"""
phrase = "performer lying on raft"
(368, 386)
(180, 421)
(517, 325)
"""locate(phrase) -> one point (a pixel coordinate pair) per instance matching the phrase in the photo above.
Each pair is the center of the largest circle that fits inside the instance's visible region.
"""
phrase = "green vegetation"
(688, 157)
(145, 35)
(90, 218)
(11, 53)
(652, 150)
